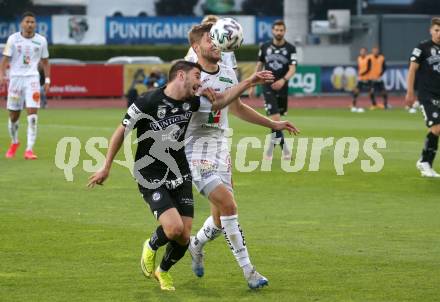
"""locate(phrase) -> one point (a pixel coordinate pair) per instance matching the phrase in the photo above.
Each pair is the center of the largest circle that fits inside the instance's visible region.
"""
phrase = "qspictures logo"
(306, 153)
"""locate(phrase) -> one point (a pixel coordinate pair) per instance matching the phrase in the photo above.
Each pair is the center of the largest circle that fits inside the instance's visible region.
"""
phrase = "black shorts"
(378, 86)
(431, 111)
(276, 101)
(164, 198)
(364, 86)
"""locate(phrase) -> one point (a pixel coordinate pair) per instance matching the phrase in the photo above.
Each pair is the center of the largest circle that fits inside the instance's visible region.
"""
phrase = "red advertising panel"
(86, 81)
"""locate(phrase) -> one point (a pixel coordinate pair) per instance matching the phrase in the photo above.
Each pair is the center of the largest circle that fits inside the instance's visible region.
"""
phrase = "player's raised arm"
(115, 144)
(248, 114)
(224, 99)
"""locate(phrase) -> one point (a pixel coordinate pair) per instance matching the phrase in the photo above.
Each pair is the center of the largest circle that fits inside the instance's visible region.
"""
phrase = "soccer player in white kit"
(22, 53)
(209, 159)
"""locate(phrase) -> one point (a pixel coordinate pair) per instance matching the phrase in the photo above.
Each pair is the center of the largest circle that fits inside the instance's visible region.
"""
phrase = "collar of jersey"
(21, 35)
(281, 46)
(214, 72)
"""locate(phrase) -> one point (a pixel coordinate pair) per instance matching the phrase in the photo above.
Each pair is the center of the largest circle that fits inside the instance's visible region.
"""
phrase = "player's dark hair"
(182, 65)
(278, 22)
(435, 21)
(197, 31)
(28, 14)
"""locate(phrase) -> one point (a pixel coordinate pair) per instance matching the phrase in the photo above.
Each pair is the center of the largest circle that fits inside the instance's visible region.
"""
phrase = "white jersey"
(227, 58)
(206, 123)
(25, 54)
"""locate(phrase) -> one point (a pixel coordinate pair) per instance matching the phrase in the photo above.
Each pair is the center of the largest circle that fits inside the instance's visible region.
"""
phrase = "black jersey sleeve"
(261, 53)
(195, 103)
(293, 57)
(417, 55)
(142, 105)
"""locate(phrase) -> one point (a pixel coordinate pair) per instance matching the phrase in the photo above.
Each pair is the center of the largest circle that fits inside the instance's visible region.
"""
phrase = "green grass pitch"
(315, 235)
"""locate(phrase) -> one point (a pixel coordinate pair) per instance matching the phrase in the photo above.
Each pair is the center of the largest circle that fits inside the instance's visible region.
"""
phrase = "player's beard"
(279, 38)
(210, 55)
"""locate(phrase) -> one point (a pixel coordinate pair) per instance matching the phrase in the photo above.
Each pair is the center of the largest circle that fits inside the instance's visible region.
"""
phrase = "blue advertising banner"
(150, 30)
(344, 78)
(44, 27)
(263, 28)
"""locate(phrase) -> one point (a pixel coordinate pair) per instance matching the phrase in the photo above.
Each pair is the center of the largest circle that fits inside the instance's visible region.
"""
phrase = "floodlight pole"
(359, 7)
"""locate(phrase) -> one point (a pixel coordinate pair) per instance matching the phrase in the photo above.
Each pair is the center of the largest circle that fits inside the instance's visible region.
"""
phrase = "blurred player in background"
(22, 53)
(425, 61)
(364, 83)
(378, 67)
(227, 58)
(211, 165)
(278, 56)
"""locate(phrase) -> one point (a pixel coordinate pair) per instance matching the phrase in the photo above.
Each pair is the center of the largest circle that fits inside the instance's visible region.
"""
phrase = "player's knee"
(436, 130)
(184, 238)
(229, 208)
(13, 116)
(174, 231)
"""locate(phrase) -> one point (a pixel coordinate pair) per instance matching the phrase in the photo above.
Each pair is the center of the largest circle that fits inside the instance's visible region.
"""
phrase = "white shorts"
(209, 172)
(23, 92)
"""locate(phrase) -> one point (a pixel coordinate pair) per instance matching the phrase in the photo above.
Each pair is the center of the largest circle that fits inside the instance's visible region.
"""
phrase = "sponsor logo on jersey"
(227, 80)
(36, 42)
(161, 112)
(214, 117)
(186, 106)
(133, 111)
(416, 52)
(156, 196)
(175, 119)
(26, 60)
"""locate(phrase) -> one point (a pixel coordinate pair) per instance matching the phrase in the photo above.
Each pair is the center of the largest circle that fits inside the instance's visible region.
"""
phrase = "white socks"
(13, 131)
(31, 131)
(208, 232)
(235, 239)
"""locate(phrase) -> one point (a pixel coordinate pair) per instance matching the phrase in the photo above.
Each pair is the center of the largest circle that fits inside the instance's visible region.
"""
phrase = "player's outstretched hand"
(209, 93)
(98, 178)
(286, 125)
(262, 77)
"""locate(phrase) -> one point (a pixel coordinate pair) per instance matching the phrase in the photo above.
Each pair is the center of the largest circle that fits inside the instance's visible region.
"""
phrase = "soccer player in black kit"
(161, 117)
(278, 56)
(425, 60)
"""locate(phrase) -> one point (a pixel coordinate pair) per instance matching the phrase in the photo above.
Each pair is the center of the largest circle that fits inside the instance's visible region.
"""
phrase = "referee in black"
(278, 56)
(425, 61)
